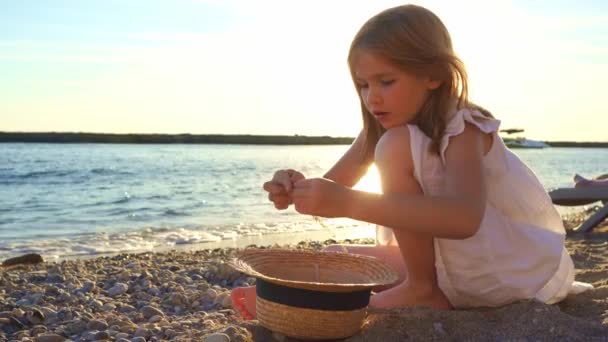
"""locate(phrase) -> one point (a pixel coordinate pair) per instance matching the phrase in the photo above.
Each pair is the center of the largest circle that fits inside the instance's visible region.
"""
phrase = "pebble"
(50, 338)
(23, 334)
(227, 302)
(17, 312)
(90, 335)
(77, 327)
(108, 307)
(97, 324)
(88, 286)
(237, 333)
(143, 332)
(126, 308)
(102, 335)
(124, 276)
(155, 319)
(177, 299)
(170, 333)
(118, 289)
(138, 339)
(216, 337)
(211, 293)
(150, 311)
(35, 316)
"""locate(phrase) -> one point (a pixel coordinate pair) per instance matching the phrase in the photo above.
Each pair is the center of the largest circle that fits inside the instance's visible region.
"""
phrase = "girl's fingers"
(296, 176)
(281, 205)
(281, 202)
(274, 188)
(284, 180)
(281, 186)
(279, 198)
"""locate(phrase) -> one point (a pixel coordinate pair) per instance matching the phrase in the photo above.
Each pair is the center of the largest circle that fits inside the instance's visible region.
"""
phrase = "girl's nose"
(373, 97)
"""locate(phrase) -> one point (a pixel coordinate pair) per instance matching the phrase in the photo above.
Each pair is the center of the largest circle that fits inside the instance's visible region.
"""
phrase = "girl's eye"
(363, 86)
(387, 82)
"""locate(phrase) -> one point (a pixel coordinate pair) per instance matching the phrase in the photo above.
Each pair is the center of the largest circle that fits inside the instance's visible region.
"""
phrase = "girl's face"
(390, 94)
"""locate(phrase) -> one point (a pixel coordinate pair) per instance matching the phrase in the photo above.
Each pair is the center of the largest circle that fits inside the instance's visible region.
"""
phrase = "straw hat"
(312, 295)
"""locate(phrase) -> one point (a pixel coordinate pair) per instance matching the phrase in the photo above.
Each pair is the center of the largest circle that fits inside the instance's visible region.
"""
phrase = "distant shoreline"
(109, 138)
(239, 139)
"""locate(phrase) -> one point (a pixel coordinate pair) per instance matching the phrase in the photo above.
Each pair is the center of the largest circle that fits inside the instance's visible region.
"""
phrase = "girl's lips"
(380, 114)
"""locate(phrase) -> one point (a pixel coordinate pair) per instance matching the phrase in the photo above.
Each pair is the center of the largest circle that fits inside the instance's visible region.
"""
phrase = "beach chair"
(583, 196)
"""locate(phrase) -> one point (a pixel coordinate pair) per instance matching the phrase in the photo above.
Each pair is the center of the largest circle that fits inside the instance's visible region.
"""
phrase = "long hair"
(415, 40)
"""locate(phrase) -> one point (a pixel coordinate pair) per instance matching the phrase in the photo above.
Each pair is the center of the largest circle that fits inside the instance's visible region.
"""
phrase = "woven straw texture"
(319, 271)
(309, 323)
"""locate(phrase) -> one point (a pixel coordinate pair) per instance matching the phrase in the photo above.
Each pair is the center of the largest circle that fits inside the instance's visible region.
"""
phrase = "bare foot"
(582, 182)
(243, 301)
(404, 295)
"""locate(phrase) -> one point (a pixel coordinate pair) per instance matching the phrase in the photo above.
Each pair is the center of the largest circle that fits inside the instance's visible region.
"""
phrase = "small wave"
(158, 197)
(155, 230)
(70, 245)
(171, 212)
(119, 211)
(121, 200)
(42, 174)
(7, 221)
(126, 198)
(109, 171)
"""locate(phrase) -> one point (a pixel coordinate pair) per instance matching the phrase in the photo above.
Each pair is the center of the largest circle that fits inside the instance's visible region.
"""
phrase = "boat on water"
(521, 142)
(524, 143)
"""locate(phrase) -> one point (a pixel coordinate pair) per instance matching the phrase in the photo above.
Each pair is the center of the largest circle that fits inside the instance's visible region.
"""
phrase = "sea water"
(75, 200)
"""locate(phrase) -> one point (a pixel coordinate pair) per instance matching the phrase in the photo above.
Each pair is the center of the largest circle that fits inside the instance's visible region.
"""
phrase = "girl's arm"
(347, 172)
(457, 214)
(350, 167)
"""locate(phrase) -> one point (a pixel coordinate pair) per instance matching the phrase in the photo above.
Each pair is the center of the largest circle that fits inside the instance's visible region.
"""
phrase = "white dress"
(518, 252)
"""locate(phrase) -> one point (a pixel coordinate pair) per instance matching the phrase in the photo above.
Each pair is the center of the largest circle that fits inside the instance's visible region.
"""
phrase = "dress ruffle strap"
(457, 123)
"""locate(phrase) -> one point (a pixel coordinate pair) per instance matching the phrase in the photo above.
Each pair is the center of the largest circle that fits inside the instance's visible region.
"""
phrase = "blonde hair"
(415, 40)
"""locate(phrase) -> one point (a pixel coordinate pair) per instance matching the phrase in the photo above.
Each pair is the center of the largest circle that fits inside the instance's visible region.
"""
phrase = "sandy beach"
(184, 296)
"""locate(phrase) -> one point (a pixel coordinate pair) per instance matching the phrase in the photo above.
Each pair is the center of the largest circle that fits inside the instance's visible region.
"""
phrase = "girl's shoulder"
(477, 116)
(457, 120)
(455, 125)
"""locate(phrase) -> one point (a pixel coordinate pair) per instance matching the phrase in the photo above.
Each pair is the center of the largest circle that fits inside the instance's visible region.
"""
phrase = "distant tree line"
(57, 137)
(576, 144)
(241, 139)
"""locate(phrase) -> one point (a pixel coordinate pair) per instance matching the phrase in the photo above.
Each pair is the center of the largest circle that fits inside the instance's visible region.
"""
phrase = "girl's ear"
(432, 84)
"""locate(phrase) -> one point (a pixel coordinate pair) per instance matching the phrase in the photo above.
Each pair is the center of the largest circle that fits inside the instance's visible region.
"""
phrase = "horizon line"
(301, 136)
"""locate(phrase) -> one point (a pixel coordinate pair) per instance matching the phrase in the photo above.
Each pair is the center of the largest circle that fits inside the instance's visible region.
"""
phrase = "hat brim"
(314, 270)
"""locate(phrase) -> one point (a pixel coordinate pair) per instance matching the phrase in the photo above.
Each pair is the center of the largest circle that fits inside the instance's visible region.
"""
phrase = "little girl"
(470, 224)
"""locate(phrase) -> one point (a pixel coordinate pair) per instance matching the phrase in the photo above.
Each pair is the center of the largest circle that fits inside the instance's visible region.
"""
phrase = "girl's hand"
(321, 197)
(280, 187)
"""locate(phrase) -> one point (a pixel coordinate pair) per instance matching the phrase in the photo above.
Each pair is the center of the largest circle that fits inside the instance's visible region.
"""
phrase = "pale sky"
(279, 67)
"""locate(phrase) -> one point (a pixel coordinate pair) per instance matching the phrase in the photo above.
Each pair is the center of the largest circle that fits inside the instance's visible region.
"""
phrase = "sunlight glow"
(278, 69)
(371, 181)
